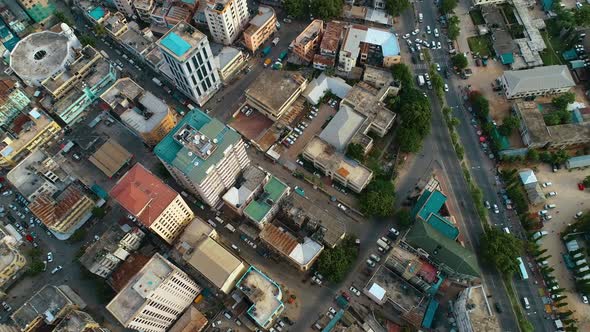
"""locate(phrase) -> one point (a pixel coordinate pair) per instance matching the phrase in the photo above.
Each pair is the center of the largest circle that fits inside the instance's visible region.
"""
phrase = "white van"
(219, 220)
(526, 303)
(420, 17)
(230, 228)
(505, 229)
(210, 222)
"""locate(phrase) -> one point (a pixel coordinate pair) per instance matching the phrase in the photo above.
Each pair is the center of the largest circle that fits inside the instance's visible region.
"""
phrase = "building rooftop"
(226, 55)
(115, 23)
(310, 33)
(97, 13)
(343, 126)
(24, 128)
(358, 34)
(119, 95)
(47, 303)
(108, 242)
(253, 177)
(331, 38)
(110, 157)
(283, 84)
(87, 56)
(7, 254)
(136, 40)
(143, 194)
(540, 78)
(51, 209)
(180, 39)
(318, 87)
(273, 190)
(301, 253)
(74, 321)
(264, 14)
(28, 183)
(337, 162)
(300, 207)
(473, 311)
(191, 321)
(139, 288)
(366, 100)
(527, 177)
(129, 268)
(264, 293)
(40, 55)
(181, 149)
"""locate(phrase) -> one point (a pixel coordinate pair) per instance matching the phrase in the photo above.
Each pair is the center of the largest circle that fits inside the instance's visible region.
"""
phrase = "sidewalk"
(468, 29)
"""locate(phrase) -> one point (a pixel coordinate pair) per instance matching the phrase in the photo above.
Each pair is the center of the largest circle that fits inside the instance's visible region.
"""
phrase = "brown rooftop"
(127, 270)
(331, 38)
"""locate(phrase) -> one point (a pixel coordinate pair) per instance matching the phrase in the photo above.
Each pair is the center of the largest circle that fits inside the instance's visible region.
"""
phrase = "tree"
(334, 263)
(460, 61)
(408, 139)
(447, 6)
(326, 9)
(100, 29)
(35, 267)
(532, 155)
(87, 40)
(501, 249)
(454, 29)
(586, 181)
(560, 102)
(402, 72)
(378, 198)
(61, 17)
(552, 119)
(403, 217)
(296, 8)
(509, 124)
(355, 151)
(98, 212)
(480, 104)
(582, 16)
(396, 7)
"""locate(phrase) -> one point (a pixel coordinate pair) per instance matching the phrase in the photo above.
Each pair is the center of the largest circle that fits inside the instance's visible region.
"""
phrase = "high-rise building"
(39, 10)
(226, 18)
(154, 204)
(144, 9)
(203, 155)
(154, 297)
(187, 52)
(125, 7)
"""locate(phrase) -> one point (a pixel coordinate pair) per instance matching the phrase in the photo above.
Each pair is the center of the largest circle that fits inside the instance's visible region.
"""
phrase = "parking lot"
(569, 200)
(314, 127)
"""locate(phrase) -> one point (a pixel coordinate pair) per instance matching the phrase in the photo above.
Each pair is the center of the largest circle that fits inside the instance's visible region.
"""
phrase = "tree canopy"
(403, 73)
(582, 16)
(454, 28)
(560, 102)
(355, 151)
(378, 198)
(447, 6)
(509, 124)
(586, 181)
(414, 111)
(501, 249)
(334, 263)
(460, 61)
(296, 8)
(480, 104)
(396, 7)
(403, 218)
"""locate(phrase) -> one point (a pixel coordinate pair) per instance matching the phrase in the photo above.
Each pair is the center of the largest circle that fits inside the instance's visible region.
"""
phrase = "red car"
(581, 186)
(29, 238)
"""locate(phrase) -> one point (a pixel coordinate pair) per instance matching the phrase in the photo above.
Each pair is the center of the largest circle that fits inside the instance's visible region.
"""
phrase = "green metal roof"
(256, 210)
(442, 249)
(273, 190)
(421, 201)
(444, 226)
(433, 204)
(195, 168)
(507, 58)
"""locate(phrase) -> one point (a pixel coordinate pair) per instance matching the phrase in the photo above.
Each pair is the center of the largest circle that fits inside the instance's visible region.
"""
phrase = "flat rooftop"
(87, 56)
(120, 93)
(7, 254)
(110, 157)
(334, 229)
(27, 127)
(264, 14)
(337, 162)
(365, 99)
(136, 41)
(358, 34)
(74, 321)
(406, 297)
(49, 298)
(273, 190)
(263, 292)
(179, 40)
(115, 23)
(310, 33)
(283, 84)
(480, 314)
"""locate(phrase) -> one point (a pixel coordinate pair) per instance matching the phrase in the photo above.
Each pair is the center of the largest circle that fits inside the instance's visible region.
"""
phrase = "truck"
(275, 41)
(104, 54)
(66, 148)
(283, 55)
(230, 228)
(277, 65)
(157, 81)
(265, 51)
(421, 80)
(267, 62)
(383, 245)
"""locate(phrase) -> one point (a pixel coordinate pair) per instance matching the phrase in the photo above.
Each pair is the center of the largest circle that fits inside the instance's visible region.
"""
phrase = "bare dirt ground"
(569, 200)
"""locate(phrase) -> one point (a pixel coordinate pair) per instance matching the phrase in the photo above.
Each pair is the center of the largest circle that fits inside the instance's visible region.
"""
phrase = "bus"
(283, 55)
(522, 269)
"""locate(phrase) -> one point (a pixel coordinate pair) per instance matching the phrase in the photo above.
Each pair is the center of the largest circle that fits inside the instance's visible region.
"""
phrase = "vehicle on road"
(446, 87)
(522, 269)
(50, 257)
(355, 291)
(275, 41)
(57, 269)
(342, 207)
(552, 194)
(267, 62)
(578, 214)
(547, 184)
(370, 263)
(496, 209)
(375, 258)
(157, 81)
(420, 17)
(265, 51)
(420, 79)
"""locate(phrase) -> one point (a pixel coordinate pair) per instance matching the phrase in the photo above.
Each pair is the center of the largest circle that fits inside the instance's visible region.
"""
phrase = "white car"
(437, 67)
(446, 87)
(547, 184)
(50, 257)
(415, 32)
(438, 45)
(496, 209)
(355, 291)
(551, 194)
(436, 32)
(487, 204)
(584, 299)
(406, 36)
(428, 31)
(54, 271)
(342, 207)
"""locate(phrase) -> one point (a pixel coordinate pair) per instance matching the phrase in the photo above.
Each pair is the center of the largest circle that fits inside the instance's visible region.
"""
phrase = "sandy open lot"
(569, 200)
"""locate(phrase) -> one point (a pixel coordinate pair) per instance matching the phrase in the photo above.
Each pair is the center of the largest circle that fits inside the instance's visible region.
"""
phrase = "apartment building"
(38, 10)
(367, 45)
(141, 111)
(27, 133)
(11, 260)
(203, 155)
(230, 61)
(116, 25)
(144, 9)
(153, 298)
(63, 211)
(125, 7)
(155, 205)
(226, 18)
(13, 100)
(286, 87)
(308, 41)
(260, 28)
(187, 52)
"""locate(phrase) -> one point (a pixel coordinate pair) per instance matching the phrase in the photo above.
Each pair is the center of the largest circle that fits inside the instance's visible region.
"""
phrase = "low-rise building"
(155, 205)
(368, 45)
(230, 61)
(308, 41)
(27, 132)
(286, 87)
(110, 158)
(113, 247)
(191, 321)
(47, 308)
(473, 312)
(249, 184)
(335, 165)
(140, 110)
(13, 101)
(11, 259)
(536, 134)
(153, 298)
(198, 248)
(320, 85)
(539, 81)
(368, 101)
(138, 42)
(144, 9)
(331, 39)
(116, 25)
(260, 28)
(265, 296)
(301, 253)
(265, 204)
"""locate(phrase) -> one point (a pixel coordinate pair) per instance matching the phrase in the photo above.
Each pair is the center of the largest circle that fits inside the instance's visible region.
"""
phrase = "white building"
(226, 19)
(155, 297)
(548, 80)
(187, 52)
(125, 7)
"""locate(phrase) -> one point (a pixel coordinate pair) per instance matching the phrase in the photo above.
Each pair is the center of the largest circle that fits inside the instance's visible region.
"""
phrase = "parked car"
(50, 257)
(581, 186)
(496, 209)
(355, 291)
(547, 184)
(552, 194)
(57, 269)
(342, 207)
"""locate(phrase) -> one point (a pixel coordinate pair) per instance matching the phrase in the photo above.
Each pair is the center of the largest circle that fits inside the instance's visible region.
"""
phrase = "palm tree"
(561, 304)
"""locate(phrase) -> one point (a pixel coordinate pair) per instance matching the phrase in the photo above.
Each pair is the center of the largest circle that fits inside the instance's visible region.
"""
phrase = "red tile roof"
(143, 194)
(281, 241)
(127, 270)
(51, 211)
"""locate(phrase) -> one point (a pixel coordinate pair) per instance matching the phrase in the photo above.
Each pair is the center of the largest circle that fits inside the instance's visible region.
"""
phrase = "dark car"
(498, 307)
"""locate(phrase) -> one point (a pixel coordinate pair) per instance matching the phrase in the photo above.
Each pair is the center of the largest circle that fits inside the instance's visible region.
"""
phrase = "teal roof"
(430, 312)
(577, 64)
(433, 204)
(421, 201)
(259, 208)
(97, 13)
(504, 143)
(176, 155)
(547, 5)
(507, 58)
(444, 226)
(570, 54)
(175, 44)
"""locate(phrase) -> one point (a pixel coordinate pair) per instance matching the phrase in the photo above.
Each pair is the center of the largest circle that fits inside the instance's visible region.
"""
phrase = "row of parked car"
(295, 133)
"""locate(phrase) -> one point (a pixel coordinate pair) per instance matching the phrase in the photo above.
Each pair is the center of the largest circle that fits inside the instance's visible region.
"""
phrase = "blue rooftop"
(430, 312)
(444, 226)
(97, 13)
(175, 44)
